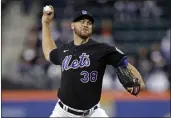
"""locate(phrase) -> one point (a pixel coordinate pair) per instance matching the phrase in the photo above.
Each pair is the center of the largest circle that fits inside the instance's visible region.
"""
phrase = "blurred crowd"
(153, 62)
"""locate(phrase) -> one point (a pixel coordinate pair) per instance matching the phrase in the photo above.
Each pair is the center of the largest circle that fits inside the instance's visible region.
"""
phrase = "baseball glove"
(127, 79)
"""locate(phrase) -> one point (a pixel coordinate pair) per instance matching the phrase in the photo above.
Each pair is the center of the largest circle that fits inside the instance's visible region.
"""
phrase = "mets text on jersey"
(84, 61)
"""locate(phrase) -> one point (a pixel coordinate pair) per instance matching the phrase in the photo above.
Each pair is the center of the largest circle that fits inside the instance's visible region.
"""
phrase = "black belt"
(86, 113)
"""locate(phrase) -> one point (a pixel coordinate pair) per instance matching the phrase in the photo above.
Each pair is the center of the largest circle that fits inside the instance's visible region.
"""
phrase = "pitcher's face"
(83, 28)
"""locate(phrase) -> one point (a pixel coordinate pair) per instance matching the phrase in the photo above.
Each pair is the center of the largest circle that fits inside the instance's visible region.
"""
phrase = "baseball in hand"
(47, 9)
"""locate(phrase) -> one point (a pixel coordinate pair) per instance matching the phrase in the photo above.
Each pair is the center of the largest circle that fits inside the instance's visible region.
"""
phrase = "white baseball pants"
(60, 112)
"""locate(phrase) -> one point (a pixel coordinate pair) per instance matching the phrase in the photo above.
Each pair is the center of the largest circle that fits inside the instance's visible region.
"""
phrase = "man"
(83, 62)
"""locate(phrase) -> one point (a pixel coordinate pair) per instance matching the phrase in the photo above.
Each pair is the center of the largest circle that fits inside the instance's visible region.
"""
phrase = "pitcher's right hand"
(48, 15)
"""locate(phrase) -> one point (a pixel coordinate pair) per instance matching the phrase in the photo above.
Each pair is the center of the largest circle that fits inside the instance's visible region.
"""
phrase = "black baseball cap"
(82, 14)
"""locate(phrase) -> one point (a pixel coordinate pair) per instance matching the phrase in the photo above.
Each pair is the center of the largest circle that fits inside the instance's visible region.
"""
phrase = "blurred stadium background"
(140, 28)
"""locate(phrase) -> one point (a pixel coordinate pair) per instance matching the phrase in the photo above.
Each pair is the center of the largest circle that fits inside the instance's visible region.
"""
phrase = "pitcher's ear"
(72, 25)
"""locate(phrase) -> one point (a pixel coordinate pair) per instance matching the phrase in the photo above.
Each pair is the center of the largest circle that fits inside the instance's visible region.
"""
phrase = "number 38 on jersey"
(92, 77)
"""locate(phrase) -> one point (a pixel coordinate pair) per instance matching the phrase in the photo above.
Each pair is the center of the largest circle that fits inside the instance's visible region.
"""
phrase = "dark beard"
(78, 32)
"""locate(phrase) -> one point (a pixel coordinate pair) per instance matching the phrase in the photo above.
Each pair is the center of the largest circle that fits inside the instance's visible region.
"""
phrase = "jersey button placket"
(75, 52)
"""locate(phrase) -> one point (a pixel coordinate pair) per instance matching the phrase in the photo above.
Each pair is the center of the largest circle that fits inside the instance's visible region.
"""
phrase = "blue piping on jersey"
(123, 62)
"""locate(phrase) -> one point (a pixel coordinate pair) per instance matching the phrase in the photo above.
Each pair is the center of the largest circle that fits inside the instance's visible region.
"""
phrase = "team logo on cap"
(84, 12)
